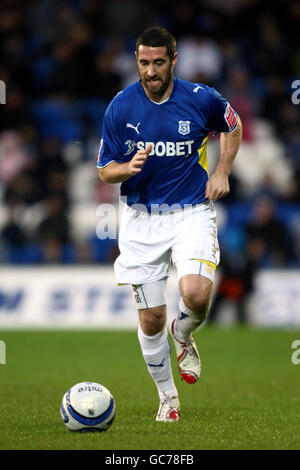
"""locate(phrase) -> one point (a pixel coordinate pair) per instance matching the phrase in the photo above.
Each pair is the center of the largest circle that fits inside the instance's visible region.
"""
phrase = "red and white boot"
(169, 409)
(188, 359)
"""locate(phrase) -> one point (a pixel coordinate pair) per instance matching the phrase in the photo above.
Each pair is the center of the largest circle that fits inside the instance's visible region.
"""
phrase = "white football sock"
(156, 352)
(185, 323)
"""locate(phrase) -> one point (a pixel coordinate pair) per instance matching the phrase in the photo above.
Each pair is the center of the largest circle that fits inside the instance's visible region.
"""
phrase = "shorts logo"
(230, 117)
(184, 127)
(136, 295)
(209, 270)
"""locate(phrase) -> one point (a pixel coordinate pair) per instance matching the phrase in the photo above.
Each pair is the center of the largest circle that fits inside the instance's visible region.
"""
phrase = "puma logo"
(133, 127)
(197, 88)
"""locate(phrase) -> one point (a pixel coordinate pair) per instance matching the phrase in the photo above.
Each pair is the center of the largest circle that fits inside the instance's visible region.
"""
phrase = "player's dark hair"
(157, 37)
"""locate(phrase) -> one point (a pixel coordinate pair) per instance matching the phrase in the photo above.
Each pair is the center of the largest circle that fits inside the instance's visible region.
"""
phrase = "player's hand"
(136, 164)
(217, 186)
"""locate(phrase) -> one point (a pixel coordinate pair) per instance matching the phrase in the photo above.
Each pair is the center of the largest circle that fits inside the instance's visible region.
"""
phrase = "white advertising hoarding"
(88, 297)
(69, 297)
(277, 298)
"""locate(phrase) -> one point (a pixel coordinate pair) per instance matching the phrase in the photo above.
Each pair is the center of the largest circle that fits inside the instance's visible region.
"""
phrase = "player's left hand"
(217, 186)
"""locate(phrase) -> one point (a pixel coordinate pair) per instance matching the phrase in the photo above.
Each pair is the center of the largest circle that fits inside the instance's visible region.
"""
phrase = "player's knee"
(196, 293)
(151, 303)
(198, 302)
(153, 320)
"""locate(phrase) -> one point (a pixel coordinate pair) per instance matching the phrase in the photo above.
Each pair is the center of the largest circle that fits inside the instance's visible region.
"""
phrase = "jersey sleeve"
(110, 147)
(221, 116)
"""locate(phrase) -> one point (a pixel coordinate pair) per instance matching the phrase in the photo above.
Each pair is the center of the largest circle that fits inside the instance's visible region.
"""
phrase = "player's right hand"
(137, 162)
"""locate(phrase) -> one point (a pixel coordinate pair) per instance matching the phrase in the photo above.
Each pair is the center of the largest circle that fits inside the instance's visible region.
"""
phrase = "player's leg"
(196, 256)
(196, 292)
(145, 255)
(153, 338)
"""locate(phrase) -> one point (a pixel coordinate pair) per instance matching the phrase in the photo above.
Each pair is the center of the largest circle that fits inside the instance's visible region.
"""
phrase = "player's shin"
(188, 359)
(156, 352)
(186, 322)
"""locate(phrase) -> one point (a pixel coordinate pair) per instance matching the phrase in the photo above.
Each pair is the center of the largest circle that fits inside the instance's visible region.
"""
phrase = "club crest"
(184, 127)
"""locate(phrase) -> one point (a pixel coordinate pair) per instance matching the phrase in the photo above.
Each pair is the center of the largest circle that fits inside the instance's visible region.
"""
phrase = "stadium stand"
(63, 61)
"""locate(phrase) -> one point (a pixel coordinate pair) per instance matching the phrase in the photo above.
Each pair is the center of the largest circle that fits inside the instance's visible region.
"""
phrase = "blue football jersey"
(176, 170)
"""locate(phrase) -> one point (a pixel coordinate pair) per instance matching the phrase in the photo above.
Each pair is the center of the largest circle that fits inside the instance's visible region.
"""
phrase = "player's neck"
(160, 98)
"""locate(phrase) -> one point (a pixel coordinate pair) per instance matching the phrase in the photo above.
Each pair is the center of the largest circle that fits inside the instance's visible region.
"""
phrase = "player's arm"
(116, 172)
(218, 184)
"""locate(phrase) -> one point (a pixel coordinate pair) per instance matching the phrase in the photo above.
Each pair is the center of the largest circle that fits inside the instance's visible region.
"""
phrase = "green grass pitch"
(247, 396)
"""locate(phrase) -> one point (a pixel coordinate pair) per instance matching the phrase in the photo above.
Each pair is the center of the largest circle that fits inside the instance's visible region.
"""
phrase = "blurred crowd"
(62, 61)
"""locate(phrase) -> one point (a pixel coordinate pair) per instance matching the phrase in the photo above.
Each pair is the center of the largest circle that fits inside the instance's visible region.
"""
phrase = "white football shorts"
(150, 242)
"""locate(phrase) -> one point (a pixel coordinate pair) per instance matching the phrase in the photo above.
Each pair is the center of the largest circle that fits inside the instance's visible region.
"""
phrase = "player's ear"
(174, 60)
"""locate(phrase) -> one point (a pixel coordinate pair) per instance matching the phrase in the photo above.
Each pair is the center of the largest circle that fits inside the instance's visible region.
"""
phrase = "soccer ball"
(88, 406)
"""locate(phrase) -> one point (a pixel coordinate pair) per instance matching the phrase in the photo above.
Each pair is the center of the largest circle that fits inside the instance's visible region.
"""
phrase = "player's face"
(155, 69)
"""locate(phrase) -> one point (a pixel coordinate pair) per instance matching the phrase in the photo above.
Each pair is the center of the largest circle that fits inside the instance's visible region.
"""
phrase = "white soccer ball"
(88, 406)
